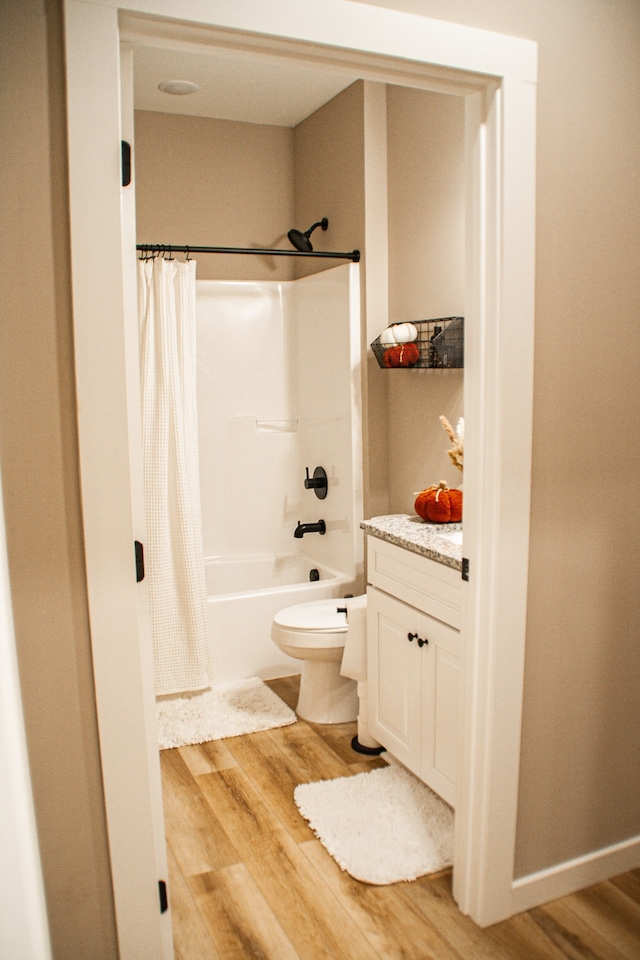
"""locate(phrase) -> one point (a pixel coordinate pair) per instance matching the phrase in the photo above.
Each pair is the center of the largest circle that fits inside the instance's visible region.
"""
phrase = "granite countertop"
(419, 536)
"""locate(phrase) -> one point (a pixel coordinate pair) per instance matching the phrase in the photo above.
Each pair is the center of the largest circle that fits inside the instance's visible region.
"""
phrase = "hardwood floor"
(248, 879)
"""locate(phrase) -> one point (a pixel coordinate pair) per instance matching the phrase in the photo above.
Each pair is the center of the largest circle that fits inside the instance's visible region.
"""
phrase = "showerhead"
(301, 240)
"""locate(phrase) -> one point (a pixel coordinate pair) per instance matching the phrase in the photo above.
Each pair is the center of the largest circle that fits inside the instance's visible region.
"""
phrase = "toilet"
(315, 633)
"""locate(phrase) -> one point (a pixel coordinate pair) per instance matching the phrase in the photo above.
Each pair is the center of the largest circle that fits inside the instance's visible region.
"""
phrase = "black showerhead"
(301, 240)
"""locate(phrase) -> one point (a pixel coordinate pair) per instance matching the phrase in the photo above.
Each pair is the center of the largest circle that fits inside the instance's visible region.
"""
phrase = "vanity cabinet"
(413, 630)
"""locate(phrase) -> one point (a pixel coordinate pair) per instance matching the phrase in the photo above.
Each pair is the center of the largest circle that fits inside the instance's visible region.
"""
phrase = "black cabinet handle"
(414, 636)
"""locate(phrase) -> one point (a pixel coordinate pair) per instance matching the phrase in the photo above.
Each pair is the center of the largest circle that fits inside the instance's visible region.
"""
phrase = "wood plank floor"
(249, 881)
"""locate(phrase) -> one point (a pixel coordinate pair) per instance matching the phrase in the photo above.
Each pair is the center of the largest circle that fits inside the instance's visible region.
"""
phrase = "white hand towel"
(354, 658)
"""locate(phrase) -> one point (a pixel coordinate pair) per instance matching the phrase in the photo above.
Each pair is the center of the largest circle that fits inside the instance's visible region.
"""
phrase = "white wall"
(277, 371)
(325, 333)
(246, 473)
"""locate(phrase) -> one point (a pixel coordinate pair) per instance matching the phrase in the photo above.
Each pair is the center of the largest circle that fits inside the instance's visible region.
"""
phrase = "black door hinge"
(164, 899)
(126, 163)
(465, 568)
(139, 552)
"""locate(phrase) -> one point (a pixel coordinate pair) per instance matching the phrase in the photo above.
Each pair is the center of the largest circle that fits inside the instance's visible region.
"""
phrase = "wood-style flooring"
(248, 880)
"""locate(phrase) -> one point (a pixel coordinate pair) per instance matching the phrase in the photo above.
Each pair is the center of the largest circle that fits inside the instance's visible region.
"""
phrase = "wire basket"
(440, 344)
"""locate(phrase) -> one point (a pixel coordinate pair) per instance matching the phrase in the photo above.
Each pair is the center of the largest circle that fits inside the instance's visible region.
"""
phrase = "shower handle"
(318, 482)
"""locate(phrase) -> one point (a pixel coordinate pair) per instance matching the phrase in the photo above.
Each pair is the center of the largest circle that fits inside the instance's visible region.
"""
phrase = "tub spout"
(302, 528)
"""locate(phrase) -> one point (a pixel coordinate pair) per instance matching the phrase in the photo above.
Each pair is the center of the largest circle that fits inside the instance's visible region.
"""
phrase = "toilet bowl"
(315, 633)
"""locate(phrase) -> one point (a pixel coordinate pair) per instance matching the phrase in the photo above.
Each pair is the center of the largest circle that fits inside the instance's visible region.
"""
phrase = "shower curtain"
(174, 559)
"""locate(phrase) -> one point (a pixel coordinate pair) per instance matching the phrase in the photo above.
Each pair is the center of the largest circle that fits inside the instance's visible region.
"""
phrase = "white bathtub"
(244, 594)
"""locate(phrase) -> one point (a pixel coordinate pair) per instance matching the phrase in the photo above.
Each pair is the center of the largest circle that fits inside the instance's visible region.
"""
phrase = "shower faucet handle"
(317, 483)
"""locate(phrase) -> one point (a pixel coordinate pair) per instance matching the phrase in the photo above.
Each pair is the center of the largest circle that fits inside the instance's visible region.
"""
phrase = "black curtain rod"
(170, 248)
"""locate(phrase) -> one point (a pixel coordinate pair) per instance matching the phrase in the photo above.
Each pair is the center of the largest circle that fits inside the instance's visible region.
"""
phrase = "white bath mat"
(381, 827)
(227, 710)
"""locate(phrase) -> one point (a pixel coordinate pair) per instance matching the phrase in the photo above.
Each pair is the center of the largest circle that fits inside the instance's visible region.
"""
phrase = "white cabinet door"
(413, 673)
(440, 684)
(394, 677)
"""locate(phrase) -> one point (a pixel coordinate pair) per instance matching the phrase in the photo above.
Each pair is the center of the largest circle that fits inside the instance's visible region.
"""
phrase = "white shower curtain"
(174, 561)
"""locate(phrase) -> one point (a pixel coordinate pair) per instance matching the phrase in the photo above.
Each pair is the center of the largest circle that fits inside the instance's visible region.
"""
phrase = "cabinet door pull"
(421, 642)
(411, 637)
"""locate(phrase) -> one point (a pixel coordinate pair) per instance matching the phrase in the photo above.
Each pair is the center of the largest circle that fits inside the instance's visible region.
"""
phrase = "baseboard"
(572, 875)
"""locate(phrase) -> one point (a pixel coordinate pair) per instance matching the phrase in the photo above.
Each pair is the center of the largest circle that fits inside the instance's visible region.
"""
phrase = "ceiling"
(234, 85)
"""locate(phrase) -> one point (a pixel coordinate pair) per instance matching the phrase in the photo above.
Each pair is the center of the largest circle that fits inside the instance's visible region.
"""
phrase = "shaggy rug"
(381, 827)
(227, 710)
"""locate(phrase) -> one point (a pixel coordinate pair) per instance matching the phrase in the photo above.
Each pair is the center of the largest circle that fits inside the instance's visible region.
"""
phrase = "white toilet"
(315, 633)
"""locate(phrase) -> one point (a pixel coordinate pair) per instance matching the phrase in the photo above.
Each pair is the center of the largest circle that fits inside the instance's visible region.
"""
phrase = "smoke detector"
(179, 88)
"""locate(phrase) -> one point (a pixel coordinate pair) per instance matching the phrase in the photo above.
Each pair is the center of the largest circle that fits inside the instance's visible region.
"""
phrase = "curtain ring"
(188, 258)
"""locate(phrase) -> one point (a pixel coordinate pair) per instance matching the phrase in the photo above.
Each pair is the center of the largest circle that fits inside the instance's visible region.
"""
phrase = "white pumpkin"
(387, 338)
(398, 333)
(405, 332)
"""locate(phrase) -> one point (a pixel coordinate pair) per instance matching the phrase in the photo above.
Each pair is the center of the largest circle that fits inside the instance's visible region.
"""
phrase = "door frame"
(496, 75)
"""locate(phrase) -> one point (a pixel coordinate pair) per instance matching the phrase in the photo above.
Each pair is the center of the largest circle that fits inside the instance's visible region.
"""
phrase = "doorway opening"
(420, 189)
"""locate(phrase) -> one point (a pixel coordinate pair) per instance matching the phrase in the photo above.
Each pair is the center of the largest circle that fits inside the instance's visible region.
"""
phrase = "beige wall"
(38, 451)
(329, 175)
(425, 156)
(580, 765)
(216, 183)
(580, 750)
(424, 190)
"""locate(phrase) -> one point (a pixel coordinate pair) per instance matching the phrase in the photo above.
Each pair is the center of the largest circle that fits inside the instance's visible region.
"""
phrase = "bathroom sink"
(453, 536)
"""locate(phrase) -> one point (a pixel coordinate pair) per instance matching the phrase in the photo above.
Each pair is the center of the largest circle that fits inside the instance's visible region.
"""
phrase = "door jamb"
(499, 87)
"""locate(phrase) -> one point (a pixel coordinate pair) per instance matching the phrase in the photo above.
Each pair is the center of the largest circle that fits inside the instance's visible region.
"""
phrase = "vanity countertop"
(428, 539)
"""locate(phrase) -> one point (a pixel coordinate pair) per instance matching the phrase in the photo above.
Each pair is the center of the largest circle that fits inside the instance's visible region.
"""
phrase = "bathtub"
(244, 594)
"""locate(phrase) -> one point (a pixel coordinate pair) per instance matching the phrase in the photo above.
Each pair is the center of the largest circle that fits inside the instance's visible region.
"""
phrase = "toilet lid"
(320, 615)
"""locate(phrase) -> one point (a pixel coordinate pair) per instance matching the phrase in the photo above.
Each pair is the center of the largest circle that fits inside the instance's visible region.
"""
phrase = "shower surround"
(278, 392)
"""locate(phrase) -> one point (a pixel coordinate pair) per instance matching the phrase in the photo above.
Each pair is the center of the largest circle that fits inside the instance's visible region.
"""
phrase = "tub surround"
(267, 407)
(419, 536)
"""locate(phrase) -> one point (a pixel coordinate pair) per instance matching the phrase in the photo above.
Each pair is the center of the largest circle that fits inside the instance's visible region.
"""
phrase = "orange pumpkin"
(402, 355)
(438, 504)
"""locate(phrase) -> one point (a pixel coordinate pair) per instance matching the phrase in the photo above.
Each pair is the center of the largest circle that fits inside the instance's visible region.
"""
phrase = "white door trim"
(111, 495)
(499, 85)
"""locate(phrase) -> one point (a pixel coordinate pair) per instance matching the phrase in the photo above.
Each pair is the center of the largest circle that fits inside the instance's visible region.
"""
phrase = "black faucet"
(302, 528)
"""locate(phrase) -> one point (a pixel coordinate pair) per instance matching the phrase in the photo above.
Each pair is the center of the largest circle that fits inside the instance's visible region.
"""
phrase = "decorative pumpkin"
(439, 504)
(402, 355)
(387, 338)
(398, 333)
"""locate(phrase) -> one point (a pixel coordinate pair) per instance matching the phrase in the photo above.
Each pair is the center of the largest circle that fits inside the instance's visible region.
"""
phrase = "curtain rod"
(170, 248)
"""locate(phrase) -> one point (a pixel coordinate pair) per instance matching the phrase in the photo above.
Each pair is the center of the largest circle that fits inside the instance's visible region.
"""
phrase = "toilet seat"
(315, 633)
(316, 624)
